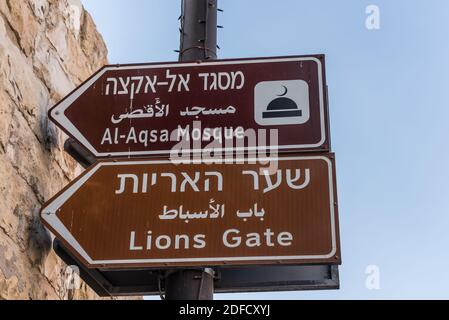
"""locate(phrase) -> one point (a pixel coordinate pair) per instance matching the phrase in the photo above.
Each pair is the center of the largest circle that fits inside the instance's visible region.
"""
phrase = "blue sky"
(389, 96)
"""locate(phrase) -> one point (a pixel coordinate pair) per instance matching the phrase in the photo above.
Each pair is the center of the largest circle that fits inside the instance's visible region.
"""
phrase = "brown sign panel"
(142, 110)
(156, 213)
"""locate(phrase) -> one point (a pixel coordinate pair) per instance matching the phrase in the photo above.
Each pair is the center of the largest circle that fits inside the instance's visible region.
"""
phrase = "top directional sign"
(224, 105)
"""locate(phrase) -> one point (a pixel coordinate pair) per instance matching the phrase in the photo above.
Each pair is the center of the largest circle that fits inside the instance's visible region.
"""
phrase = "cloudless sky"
(389, 95)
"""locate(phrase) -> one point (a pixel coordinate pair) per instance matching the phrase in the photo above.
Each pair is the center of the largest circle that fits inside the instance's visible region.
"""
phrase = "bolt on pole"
(198, 42)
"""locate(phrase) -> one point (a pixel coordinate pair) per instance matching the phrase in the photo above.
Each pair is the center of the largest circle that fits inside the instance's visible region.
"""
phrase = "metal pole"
(198, 30)
(190, 284)
(198, 42)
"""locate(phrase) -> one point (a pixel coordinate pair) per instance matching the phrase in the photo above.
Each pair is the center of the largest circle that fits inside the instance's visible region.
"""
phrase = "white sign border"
(48, 214)
(58, 112)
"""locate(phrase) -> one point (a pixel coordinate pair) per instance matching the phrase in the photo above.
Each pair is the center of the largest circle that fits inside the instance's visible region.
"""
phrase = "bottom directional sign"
(154, 213)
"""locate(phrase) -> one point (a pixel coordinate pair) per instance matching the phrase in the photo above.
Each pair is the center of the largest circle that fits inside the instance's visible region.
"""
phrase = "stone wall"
(47, 47)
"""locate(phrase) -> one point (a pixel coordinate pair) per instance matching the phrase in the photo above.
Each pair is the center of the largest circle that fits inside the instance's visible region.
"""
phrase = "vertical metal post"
(198, 43)
(190, 284)
(198, 30)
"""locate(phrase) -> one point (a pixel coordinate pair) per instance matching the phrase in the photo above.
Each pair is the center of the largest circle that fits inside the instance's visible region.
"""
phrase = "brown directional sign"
(154, 213)
(147, 109)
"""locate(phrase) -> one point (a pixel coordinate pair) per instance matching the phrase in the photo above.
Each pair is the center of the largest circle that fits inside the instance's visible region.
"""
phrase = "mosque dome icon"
(282, 107)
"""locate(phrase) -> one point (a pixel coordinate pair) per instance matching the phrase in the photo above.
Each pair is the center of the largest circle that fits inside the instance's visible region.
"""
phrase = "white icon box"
(281, 102)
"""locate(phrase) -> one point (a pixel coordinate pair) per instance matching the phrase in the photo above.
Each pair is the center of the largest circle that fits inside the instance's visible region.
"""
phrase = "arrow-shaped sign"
(156, 214)
(148, 109)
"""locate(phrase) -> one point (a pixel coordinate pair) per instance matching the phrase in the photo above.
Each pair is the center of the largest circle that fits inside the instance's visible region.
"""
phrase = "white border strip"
(50, 217)
(58, 113)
